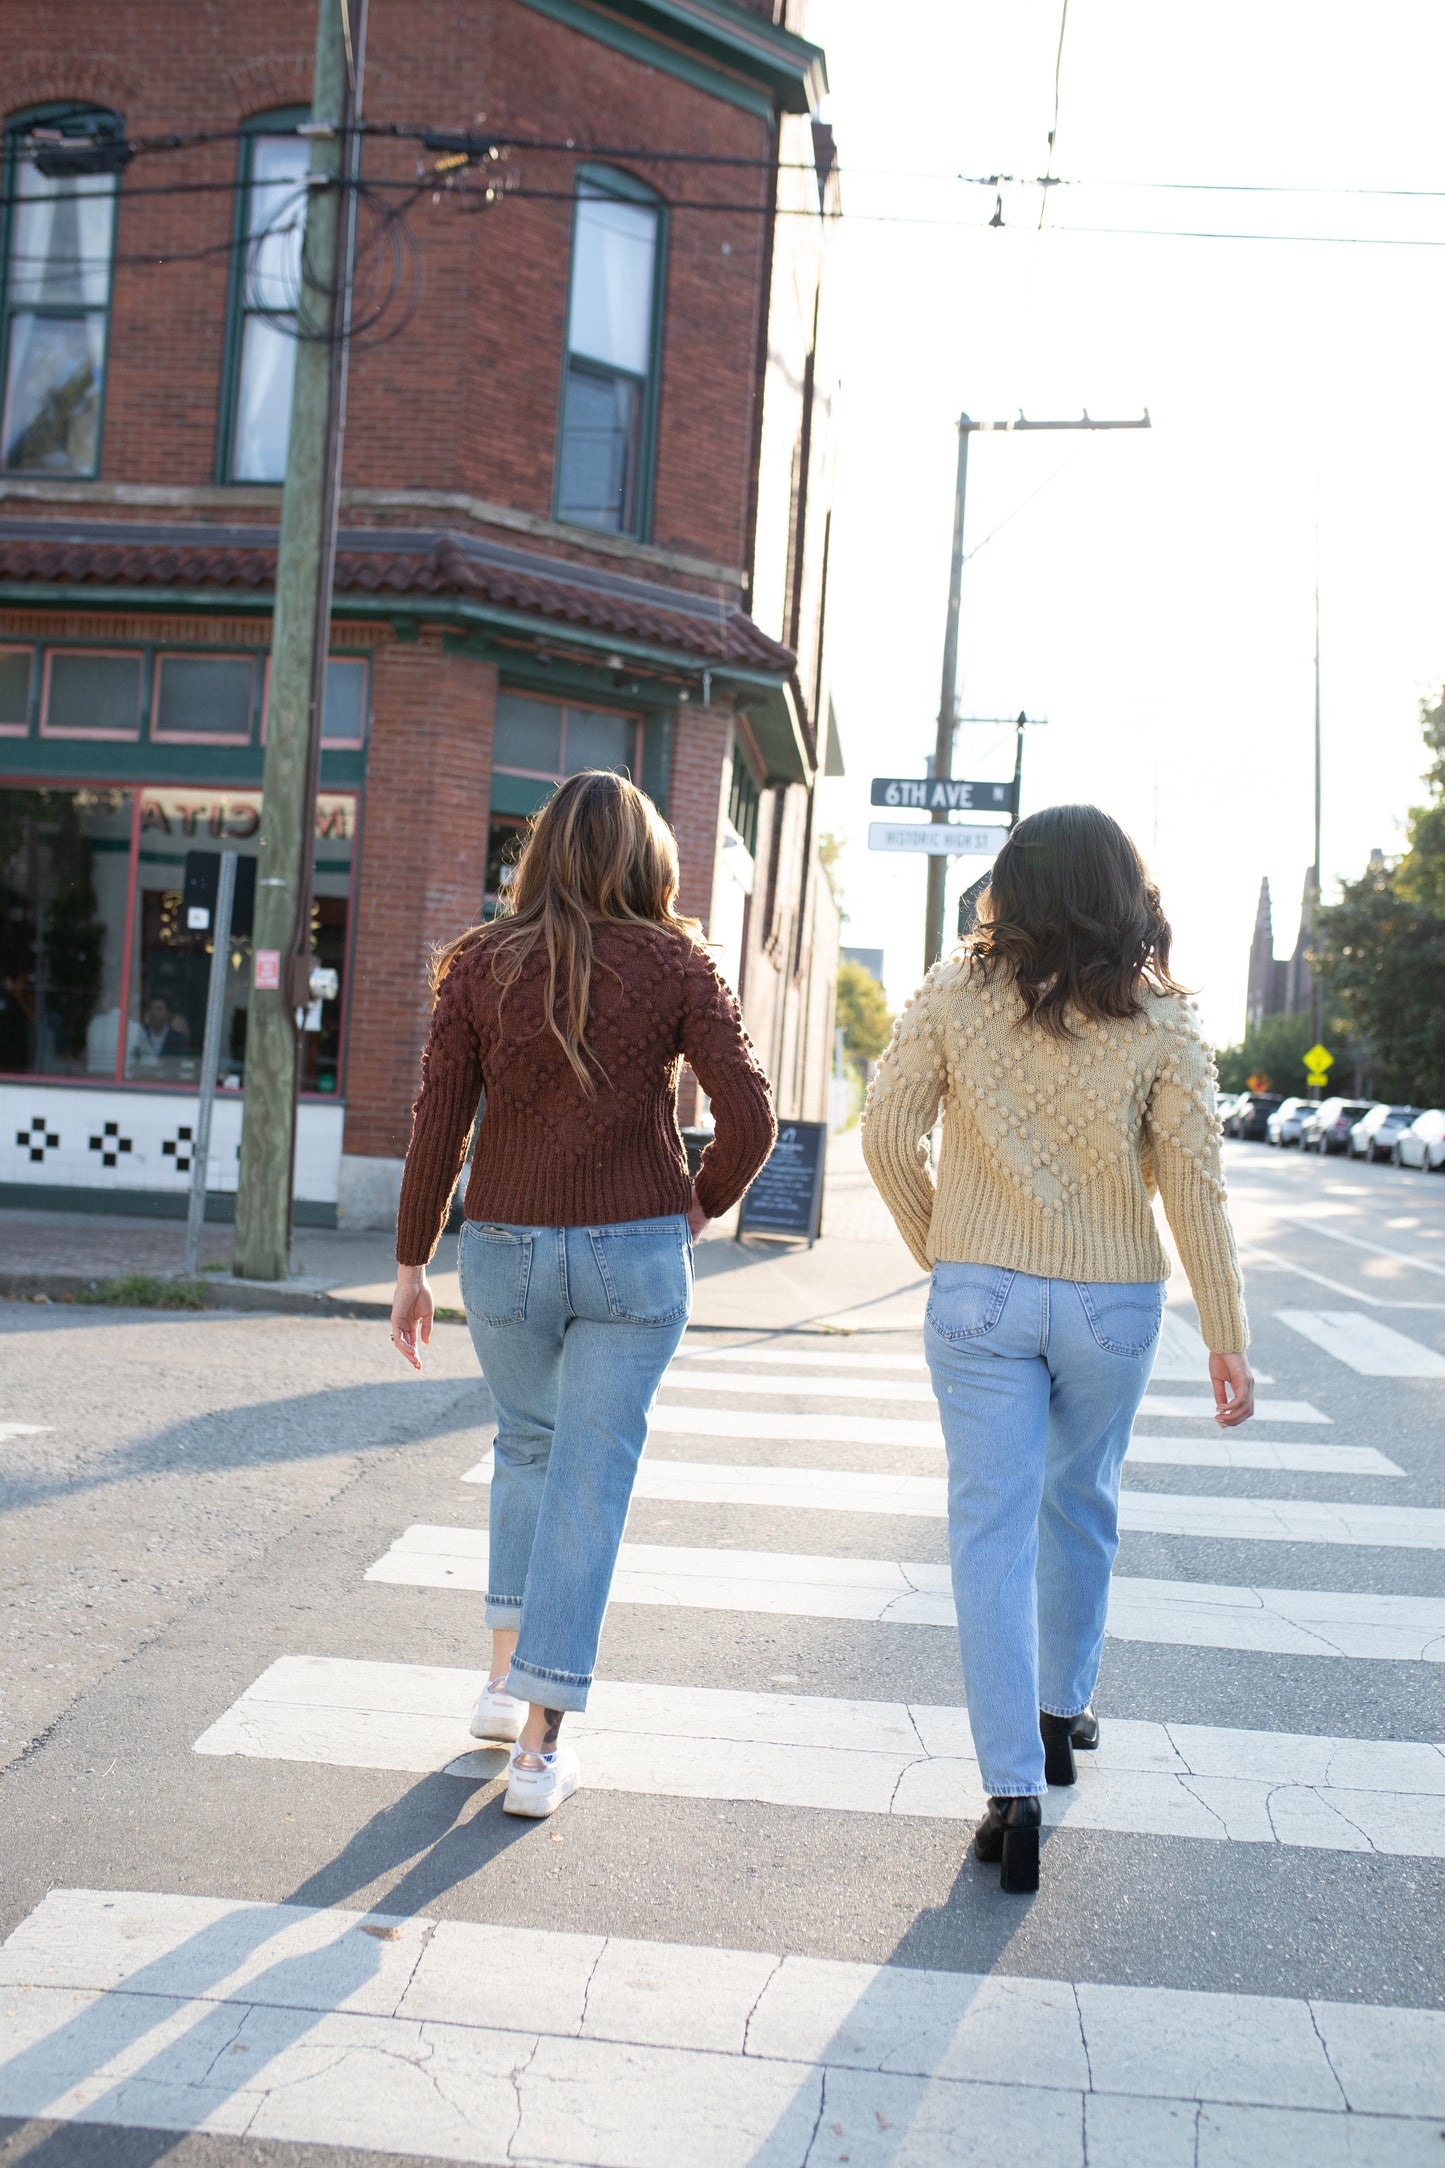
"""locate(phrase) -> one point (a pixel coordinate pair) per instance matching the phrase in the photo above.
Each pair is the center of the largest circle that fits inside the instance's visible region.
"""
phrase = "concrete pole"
(299, 641)
(947, 704)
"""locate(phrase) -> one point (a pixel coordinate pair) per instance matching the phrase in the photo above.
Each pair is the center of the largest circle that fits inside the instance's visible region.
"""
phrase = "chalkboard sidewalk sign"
(787, 1197)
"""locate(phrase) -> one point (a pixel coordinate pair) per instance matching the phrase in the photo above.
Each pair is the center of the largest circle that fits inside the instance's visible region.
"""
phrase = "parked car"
(1328, 1128)
(1423, 1143)
(1374, 1133)
(1225, 1104)
(1251, 1114)
(1283, 1126)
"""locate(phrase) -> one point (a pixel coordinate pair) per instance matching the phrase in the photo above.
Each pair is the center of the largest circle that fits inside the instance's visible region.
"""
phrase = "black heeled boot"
(1063, 1737)
(1010, 1832)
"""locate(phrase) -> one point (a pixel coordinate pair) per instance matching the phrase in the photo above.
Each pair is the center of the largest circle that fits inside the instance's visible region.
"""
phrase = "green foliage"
(1382, 949)
(1275, 1048)
(863, 1014)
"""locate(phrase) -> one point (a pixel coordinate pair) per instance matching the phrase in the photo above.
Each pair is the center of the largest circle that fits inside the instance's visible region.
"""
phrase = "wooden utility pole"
(947, 706)
(300, 637)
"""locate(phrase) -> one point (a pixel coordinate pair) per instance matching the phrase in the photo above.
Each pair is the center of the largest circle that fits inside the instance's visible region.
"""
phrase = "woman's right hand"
(696, 1217)
(1233, 1383)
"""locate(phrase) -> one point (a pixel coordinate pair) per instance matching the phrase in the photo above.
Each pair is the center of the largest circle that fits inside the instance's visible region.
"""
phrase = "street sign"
(948, 794)
(1318, 1063)
(937, 838)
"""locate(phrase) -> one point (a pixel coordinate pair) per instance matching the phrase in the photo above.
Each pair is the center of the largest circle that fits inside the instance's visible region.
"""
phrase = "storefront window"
(64, 874)
(106, 931)
(182, 834)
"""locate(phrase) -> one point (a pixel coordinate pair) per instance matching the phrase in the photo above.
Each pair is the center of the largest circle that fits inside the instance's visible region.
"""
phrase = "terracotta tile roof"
(442, 565)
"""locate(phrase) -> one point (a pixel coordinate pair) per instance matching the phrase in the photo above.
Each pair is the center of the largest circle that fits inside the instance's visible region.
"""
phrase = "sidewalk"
(858, 1274)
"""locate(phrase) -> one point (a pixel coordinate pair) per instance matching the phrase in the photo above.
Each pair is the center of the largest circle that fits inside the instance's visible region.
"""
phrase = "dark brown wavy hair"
(1071, 919)
(598, 852)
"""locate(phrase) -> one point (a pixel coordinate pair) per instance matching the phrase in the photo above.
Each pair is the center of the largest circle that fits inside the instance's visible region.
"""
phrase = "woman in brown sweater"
(570, 1016)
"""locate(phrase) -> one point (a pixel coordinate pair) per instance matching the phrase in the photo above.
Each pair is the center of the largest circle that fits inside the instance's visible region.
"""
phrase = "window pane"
(598, 739)
(597, 483)
(343, 714)
(52, 393)
(205, 696)
(94, 695)
(64, 866)
(528, 736)
(505, 837)
(263, 402)
(60, 242)
(614, 250)
(276, 217)
(169, 982)
(15, 689)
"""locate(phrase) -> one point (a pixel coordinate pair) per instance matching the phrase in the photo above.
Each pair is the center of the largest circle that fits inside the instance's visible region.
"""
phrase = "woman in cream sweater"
(1074, 1083)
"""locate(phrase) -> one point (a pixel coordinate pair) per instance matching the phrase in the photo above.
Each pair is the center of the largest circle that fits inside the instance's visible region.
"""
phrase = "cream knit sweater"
(1053, 1148)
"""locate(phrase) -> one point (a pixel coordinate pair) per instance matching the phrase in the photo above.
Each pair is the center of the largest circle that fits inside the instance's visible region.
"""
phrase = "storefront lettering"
(234, 818)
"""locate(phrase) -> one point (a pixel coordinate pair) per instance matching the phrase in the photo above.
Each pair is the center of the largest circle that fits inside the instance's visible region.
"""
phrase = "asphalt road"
(194, 1505)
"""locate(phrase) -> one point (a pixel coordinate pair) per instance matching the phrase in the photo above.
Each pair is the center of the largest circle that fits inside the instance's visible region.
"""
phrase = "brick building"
(585, 522)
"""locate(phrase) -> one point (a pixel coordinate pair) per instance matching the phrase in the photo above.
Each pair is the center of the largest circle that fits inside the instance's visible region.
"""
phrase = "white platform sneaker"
(498, 1714)
(541, 1790)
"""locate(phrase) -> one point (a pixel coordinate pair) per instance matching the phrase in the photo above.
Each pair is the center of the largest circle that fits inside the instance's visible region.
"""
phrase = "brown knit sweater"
(548, 1156)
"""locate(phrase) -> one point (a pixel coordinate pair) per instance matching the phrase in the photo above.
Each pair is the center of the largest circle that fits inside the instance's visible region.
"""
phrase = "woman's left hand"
(412, 1310)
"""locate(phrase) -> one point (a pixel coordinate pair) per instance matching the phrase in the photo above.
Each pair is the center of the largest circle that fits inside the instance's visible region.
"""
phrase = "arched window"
(614, 339)
(59, 257)
(265, 280)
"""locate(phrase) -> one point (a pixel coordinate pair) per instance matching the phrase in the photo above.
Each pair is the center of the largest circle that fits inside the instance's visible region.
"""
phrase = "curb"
(222, 1293)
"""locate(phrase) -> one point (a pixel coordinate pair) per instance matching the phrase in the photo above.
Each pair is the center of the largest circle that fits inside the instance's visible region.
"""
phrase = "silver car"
(1374, 1133)
(1423, 1143)
(1283, 1126)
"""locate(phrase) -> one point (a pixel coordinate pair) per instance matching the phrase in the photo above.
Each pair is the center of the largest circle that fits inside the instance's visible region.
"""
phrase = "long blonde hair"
(598, 852)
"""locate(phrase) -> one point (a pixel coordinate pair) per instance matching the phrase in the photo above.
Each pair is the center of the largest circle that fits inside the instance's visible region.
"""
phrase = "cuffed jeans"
(1038, 1383)
(573, 1327)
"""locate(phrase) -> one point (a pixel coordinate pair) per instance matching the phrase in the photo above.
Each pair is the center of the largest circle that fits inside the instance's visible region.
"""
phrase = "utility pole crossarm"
(1021, 422)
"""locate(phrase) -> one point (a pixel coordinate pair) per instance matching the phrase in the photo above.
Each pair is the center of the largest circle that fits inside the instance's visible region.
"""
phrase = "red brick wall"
(467, 397)
(422, 869)
(699, 749)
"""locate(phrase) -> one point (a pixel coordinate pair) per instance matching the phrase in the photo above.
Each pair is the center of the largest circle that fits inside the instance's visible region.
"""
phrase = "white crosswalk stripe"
(842, 1490)
(475, 2043)
(685, 1421)
(1297, 1622)
(860, 1757)
(1373, 1349)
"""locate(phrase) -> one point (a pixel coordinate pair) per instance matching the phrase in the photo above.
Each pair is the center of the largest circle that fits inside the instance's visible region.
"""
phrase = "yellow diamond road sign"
(1318, 1060)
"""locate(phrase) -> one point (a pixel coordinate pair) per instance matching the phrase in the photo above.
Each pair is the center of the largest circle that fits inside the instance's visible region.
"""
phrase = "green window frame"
(254, 342)
(53, 318)
(606, 458)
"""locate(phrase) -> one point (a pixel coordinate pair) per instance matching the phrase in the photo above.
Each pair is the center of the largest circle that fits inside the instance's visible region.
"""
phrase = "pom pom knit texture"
(548, 1156)
(1053, 1148)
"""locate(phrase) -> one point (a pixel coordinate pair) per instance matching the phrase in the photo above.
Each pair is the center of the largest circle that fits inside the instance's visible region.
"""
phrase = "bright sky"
(1155, 599)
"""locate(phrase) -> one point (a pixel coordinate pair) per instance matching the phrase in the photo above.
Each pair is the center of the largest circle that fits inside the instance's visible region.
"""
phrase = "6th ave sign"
(948, 794)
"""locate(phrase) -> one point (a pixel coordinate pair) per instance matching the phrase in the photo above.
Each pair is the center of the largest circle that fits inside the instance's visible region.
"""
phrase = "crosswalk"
(475, 2042)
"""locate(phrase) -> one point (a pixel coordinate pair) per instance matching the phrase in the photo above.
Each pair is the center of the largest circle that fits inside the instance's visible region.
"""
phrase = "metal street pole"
(947, 719)
(1317, 991)
(210, 1057)
(300, 637)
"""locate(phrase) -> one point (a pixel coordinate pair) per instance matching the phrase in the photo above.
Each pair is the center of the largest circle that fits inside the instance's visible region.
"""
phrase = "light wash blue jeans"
(1038, 1383)
(574, 1327)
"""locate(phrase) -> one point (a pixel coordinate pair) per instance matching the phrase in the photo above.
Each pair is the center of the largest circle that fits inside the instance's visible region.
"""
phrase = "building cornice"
(720, 48)
(265, 502)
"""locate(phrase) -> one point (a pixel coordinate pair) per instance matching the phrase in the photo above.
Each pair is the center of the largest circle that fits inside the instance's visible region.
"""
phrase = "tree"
(1381, 949)
(863, 1013)
(1275, 1049)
